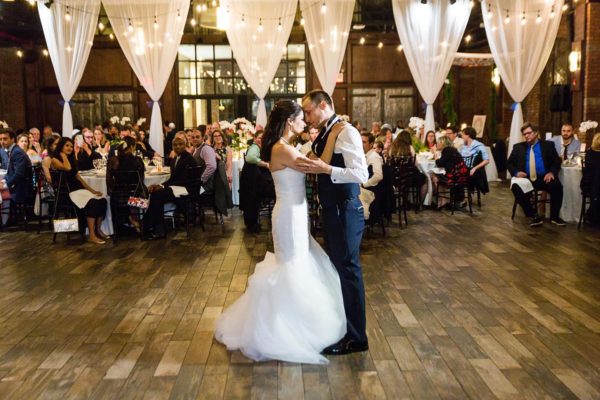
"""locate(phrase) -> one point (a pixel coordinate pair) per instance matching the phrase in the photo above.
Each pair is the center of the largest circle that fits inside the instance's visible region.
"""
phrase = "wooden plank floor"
(459, 307)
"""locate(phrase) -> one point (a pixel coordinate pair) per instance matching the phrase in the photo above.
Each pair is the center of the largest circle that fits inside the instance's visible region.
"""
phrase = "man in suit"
(339, 160)
(566, 143)
(18, 179)
(537, 161)
(181, 175)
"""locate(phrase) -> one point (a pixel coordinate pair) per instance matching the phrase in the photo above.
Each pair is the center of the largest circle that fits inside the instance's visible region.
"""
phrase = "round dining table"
(97, 181)
(570, 177)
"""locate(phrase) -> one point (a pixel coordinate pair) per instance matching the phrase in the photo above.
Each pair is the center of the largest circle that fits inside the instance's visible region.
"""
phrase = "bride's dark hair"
(283, 110)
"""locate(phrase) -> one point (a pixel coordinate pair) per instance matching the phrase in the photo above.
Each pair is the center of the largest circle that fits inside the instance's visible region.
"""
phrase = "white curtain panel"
(327, 36)
(69, 27)
(149, 32)
(258, 32)
(430, 35)
(521, 34)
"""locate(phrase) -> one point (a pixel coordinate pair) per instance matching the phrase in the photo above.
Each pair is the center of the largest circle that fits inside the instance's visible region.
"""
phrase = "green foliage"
(448, 105)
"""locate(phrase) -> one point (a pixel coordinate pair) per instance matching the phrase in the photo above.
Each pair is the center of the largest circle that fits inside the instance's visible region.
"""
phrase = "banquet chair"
(402, 176)
(314, 208)
(538, 197)
(474, 189)
(63, 206)
(185, 209)
(45, 199)
(458, 181)
(23, 210)
(127, 184)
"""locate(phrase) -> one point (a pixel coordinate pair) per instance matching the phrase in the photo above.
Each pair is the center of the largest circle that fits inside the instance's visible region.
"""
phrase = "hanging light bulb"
(362, 40)
(214, 3)
(19, 54)
(101, 26)
(399, 48)
(380, 45)
(45, 52)
(472, 3)
(279, 26)
(302, 21)
(552, 13)
(538, 19)
(507, 19)
(198, 7)
(323, 8)
(31, 2)
(193, 22)
(260, 25)
(489, 12)
(155, 23)
(523, 18)
(111, 36)
(468, 39)
(243, 21)
(178, 15)
(565, 7)
(204, 7)
(130, 27)
(68, 15)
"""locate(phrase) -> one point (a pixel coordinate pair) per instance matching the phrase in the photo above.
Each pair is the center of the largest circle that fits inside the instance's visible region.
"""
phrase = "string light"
(302, 21)
(31, 2)
(111, 36)
(178, 15)
(68, 15)
(362, 40)
(538, 18)
(472, 3)
(323, 8)
(199, 7)
(101, 26)
(204, 7)
(243, 21)
(260, 25)
(565, 7)
(507, 19)
(130, 27)
(380, 45)
(399, 48)
(552, 12)
(489, 13)
(155, 23)
(193, 22)
(45, 52)
(468, 38)
(214, 3)
(279, 26)
(523, 18)
(19, 54)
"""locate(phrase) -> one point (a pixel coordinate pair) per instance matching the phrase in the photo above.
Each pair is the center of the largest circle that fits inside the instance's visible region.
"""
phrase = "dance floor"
(460, 306)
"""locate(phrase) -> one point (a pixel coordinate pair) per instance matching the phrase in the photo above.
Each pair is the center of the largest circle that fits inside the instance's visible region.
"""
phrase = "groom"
(339, 161)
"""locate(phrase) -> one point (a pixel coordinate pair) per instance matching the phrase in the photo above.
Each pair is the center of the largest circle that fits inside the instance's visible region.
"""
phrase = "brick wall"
(591, 67)
(12, 89)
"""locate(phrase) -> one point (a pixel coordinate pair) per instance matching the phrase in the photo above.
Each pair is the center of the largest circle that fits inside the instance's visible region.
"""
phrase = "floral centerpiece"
(140, 121)
(415, 123)
(120, 122)
(243, 130)
(588, 126)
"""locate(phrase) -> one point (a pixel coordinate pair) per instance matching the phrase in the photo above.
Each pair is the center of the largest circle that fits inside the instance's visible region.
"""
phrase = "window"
(210, 72)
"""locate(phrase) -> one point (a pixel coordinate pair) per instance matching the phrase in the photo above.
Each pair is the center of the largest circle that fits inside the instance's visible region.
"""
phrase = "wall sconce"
(574, 61)
(496, 77)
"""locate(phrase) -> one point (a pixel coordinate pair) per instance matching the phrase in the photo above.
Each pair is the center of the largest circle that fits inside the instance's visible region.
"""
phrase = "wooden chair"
(126, 185)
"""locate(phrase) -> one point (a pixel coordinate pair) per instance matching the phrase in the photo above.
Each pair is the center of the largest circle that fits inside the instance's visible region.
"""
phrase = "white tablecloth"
(426, 166)
(570, 177)
(99, 183)
(490, 170)
(4, 204)
(235, 180)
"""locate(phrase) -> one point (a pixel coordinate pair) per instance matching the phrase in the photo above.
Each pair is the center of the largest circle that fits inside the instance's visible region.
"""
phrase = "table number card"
(582, 148)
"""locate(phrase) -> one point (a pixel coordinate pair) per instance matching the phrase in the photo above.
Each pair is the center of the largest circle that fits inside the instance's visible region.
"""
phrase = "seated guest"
(188, 146)
(311, 136)
(181, 175)
(49, 148)
(255, 184)
(224, 153)
(378, 146)
(100, 144)
(3, 158)
(452, 163)
(205, 155)
(565, 143)
(375, 182)
(480, 158)
(63, 159)
(388, 136)
(537, 161)
(34, 140)
(402, 146)
(143, 148)
(452, 133)
(126, 160)
(375, 128)
(19, 176)
(24, 143)
(86, 154)
(590, 182)
(430, 141)
(124, 132)
(47, 132)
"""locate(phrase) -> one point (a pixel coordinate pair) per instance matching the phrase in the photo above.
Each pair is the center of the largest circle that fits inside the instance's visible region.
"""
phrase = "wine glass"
(97, 164)
(570, 158)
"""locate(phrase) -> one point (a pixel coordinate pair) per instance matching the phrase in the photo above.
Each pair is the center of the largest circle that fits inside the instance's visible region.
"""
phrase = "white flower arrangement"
(3, 124)
(416, 122)
(114, 119)
(345, 118)
(224, 125)
(125, 120)
(140, 121)
(587, 125)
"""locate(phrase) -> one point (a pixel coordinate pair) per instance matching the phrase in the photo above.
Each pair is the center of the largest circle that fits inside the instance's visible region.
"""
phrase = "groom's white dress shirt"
(349, 144)
(376, 161)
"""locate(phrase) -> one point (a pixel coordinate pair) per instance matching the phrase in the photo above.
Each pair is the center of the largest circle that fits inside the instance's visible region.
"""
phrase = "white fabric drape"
(69, 27)
(327, 36)
(521, 49)
(149, 32)
(259, 41)
(430, 35)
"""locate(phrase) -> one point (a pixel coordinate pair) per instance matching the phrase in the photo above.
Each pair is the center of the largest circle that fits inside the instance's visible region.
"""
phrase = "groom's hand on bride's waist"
(314, 166)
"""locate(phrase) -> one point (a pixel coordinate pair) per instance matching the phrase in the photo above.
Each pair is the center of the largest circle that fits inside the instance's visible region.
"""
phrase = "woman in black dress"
(590, 182)
(63, 159)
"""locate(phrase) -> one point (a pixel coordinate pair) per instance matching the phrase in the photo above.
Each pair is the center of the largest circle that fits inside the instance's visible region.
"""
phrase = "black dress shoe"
(346, 346)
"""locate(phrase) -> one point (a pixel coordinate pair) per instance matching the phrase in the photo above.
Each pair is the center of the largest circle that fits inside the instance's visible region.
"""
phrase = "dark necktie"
(565, 154)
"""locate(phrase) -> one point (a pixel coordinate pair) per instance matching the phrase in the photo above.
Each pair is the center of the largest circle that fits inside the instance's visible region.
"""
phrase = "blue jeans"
(344, 224)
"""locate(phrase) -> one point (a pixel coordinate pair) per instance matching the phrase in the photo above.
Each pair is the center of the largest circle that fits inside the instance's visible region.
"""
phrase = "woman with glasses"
(224, 153)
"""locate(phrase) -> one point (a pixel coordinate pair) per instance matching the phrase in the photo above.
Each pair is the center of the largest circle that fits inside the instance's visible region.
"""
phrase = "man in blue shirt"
(538, 161)
(565, 143)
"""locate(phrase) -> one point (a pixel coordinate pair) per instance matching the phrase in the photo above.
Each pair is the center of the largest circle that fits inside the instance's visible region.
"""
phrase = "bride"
(292, 308)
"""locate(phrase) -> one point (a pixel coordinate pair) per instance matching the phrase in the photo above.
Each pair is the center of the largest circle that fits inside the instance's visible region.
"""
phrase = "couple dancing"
(300, 302)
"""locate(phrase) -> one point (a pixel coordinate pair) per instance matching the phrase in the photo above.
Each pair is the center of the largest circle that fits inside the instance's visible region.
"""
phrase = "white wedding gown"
(292, 308)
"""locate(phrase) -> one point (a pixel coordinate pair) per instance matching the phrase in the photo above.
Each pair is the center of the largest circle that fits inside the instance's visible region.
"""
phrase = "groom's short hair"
(317, 96)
